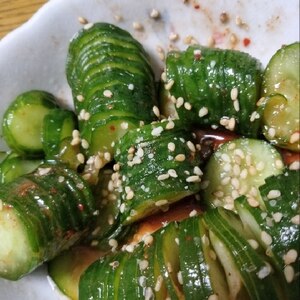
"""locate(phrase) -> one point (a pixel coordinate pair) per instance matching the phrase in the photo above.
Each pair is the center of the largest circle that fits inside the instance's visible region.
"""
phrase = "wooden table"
(13, 13)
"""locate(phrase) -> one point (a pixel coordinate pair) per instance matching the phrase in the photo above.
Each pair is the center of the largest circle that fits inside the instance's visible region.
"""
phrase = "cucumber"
(158, 166)
(280, 105)
(14, 166)
(23, 122)
(65, 269)
(276, 228)
(42, 213)
(57, 125)
(213, 87)
(249, 274)
(112, 84)
(239, 167)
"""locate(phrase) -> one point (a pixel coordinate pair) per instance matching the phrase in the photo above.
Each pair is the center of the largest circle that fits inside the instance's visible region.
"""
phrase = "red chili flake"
(80, 207)
(112, 128)
(197, 6)
(246, 42)
(188, 238)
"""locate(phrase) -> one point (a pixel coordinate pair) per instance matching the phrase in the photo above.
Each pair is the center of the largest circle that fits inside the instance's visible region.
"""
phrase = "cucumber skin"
(33, 97)
(105, 58)
(56, 214)
(208, 81)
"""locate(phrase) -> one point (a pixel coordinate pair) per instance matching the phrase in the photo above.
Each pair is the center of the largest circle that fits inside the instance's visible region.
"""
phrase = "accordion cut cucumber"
(23, 122)
(112, 84)
(41, 214)
(239, 167)
(15, 165)
(158, 165)
(210, 86)
(281, 85)
(276, 228)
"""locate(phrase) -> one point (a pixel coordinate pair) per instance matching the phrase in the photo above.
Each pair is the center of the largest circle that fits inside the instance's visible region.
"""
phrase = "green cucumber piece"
(280, 107)
(57, 125)
(276, 228)
(112, 84)
(43, 213)
(249, 275)
(23, 122)
(210, 86)
(167, 255)
(239, 167)
(14, 166)
(195, 269)
(152, 176)
(65, 269)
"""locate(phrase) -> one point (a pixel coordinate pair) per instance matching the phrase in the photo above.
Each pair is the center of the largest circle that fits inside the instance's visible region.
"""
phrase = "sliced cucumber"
(158, 166)
(23, 122)
(276, 228)
(57, 125)
(44, 212)
(65, 270)
(209, 86)
(14, 166)
(112, 84)
(239, 167)
(281, 85)
(249, 275)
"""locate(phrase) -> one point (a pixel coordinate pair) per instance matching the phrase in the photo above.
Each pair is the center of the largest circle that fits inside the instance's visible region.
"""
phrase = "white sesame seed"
(264, 272)
(154, 14)
(113, 243)
(131, 86)
(82, 20)
(156, 111)
(180, 157)
(43, 171)
(170, 125)
(203, 112)
(273, 194)
(163, 77)
(191, 146)
(107, 93)
(266, 238)
(179, 277)
(163, 176)
(80, 158)
(173, 36)
(253, 243)
(169, 84)
(148, 239)
(254, 116)
(234, 94)
(129, 195)
(197, 171)
(295, 165)
(277, 217)
(124, 125)
(61, 179)
(143, 264)
(193, 178)
(193, 213)
(137, 26)
(149, 293)
(252, 201)
(129, 248)
(84, 144)
(187, 105)
(290, 257)
(296, 220)
(197, 53)
(295, 137)
(289, 273)
(231, 124)
(171, 146)
(213, 297)
(236, 105)
(158, 283)
(80, 98)
(172, 173)
(179, 102)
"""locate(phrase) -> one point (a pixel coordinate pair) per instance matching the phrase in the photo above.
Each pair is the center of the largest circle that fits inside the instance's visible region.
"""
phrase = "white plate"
(33, 56)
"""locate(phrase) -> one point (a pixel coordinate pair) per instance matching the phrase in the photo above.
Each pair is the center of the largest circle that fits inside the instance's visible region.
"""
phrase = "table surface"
(13, 13)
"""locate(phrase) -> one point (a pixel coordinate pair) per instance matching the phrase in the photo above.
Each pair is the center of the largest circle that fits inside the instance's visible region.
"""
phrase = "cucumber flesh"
(23, 122)
(65, 270)
(239, 167)
(280, 108)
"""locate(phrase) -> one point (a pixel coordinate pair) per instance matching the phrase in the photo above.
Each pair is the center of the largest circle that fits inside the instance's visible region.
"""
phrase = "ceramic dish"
(33, 56)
